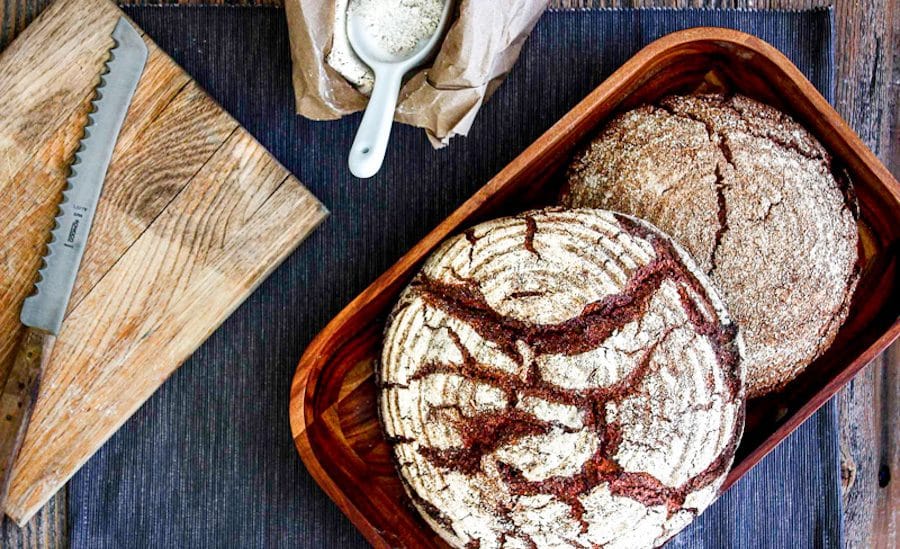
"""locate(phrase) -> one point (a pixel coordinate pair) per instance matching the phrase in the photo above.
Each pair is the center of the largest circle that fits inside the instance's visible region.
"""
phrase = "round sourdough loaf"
(561, 378)
(751, 194)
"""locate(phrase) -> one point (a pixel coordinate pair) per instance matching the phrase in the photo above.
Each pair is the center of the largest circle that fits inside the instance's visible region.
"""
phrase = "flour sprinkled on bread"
(755, 199)
(561, 378)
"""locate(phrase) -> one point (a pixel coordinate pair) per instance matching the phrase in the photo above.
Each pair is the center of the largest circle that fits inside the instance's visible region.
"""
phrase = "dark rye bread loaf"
(561, 378)
(751, 194)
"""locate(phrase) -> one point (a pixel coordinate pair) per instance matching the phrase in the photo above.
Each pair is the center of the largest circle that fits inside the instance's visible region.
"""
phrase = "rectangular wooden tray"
(332, 411)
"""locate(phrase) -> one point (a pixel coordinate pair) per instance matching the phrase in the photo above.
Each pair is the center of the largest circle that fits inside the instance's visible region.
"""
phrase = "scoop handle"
(370, 144)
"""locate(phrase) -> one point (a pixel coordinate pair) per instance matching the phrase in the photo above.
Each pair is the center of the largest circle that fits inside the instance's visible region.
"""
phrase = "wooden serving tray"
(332, 410)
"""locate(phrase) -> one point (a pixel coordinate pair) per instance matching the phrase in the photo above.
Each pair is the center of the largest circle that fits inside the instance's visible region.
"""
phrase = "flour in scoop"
(397, 27)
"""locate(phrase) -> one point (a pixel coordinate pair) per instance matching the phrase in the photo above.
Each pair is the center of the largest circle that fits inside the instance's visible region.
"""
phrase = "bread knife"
(43, 311)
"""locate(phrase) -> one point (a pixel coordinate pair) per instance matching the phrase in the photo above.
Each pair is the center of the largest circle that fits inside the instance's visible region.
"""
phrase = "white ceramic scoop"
(370, 144)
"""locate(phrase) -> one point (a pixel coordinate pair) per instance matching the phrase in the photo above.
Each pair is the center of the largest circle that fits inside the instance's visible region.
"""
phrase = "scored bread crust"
(561, 378)
(754, 198)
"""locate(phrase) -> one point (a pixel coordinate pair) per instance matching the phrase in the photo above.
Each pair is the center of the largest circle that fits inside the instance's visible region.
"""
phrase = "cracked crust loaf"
(752, 195)
(561, 378)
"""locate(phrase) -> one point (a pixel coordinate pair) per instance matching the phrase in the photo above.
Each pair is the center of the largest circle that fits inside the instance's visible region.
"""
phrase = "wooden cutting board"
(194, 215)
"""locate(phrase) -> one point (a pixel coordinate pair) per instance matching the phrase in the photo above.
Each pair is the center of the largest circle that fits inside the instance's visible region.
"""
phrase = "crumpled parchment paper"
(479, 49)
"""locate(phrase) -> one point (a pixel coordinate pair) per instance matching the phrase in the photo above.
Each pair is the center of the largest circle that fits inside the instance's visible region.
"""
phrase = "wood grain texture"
(194, 214)
(335, 426)
(868, 96)
(18, 396)
(48, 528)
(867, 65)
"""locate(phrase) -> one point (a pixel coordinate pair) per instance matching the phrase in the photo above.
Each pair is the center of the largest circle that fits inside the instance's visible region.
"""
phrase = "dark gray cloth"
(209, 460)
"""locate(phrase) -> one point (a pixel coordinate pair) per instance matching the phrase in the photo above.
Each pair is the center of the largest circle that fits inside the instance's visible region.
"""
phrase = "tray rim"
(319, 350)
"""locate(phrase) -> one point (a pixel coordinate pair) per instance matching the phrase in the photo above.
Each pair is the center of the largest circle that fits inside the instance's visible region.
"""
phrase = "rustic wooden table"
(868, 97)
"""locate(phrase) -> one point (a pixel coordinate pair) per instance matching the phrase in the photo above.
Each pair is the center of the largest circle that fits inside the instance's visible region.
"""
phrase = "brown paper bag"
(481, 46)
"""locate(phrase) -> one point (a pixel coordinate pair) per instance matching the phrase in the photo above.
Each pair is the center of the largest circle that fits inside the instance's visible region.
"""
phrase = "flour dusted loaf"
(561, 378)
(751, 194)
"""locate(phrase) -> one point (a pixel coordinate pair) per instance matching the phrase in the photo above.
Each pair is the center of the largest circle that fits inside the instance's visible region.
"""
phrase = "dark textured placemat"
(209, 460)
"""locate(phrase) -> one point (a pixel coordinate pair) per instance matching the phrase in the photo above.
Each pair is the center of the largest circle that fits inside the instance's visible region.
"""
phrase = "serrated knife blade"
(43, 311)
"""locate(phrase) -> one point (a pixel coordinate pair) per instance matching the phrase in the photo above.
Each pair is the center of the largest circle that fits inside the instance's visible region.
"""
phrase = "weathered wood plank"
(886, 524)
(867, 34)
(867, 95)
(49, 528)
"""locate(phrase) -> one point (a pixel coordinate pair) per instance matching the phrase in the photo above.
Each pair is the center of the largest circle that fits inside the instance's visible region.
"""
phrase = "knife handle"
(17, 400)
